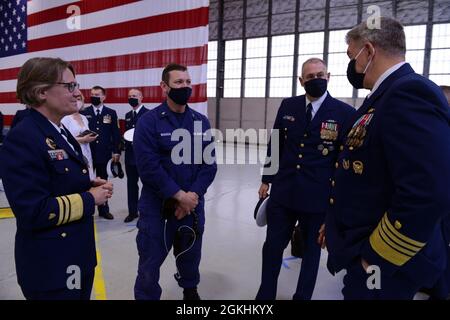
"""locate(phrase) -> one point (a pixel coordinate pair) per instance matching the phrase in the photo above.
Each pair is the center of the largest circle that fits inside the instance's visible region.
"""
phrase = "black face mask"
(134, 102)
(356, 79)
(180, 95)
(95, 101)
(316, 87)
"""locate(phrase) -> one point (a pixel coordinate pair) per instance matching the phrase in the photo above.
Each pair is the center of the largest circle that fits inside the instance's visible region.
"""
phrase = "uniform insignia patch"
(346, 164)
(107, 119)
(358, 167)
(58, 154)
(329, 130)
(51, 144)
(289, 118)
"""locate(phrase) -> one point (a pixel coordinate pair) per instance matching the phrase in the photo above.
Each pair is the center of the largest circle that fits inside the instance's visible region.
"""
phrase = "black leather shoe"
(107, 216)
(130, 218)
(190, 294)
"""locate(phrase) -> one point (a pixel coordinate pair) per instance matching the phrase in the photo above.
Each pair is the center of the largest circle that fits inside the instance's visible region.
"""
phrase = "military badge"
(58, 154)
(51, 144)
(358, 167)
(289, 118)
(329, 130)
(325, 151)
(355, 138)
(345, 164)
(107, 119)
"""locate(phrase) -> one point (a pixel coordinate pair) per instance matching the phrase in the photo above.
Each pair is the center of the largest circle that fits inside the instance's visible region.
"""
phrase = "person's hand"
(263, 189)
(101, 194)
(187, 201)
(116, 157)
(321, 238)
(180, 213)
(89, 138)
(98, 182)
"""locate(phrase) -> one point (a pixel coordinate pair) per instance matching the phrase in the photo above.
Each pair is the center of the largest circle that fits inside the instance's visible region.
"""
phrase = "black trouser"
(132, 189)
(100, 171)
(84, 293)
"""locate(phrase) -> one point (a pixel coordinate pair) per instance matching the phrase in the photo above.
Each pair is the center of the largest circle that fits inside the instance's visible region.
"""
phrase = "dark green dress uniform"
(391, 190)
(46, 183)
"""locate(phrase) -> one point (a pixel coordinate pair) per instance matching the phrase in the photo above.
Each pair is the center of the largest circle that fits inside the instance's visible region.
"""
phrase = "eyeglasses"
(70, 85)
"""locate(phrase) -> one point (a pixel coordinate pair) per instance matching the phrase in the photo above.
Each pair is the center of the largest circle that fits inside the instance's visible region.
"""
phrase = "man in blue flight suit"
(135, 101)
(103, 121)
(167, 180)
(48, 186)
(309, 141)
(391, 185)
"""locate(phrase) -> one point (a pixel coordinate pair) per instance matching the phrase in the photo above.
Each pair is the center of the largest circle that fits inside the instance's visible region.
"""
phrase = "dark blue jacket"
(160, 175)
(393, 180)
(46, 183)
(107, 127)
(20, 114)
(130, 123)
(307, 154)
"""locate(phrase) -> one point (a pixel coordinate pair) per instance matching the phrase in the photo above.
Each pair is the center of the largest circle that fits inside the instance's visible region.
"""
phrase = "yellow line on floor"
(6, 213)
(99, 281)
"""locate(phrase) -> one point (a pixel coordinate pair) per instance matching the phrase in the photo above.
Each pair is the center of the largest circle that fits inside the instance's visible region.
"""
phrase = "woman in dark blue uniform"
(47, 184)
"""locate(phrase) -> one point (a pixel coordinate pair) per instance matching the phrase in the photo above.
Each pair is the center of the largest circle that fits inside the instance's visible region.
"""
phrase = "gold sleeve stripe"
(388, 232)
(68, 209)
(400, 237)
(76, 206)
(61, 211)
(384, 237)
(385, 251)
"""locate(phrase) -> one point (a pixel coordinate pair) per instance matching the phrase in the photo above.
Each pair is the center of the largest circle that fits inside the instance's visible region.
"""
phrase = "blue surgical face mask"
(316, 87)
(180, 95)
(355, 78)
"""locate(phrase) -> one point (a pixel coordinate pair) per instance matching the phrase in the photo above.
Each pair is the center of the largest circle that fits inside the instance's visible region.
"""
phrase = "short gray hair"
(390, 37)
(314, 60)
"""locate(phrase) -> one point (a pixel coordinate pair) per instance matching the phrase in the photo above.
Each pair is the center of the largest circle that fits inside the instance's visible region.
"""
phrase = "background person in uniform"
(20, 114)
(164, 180)
(47, 185)
(131, 118)
(392, 182)
(103, 121)
(310, 127)
(77, 123)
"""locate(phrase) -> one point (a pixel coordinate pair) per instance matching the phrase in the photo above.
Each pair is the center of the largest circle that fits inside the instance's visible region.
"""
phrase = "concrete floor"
(231, 257)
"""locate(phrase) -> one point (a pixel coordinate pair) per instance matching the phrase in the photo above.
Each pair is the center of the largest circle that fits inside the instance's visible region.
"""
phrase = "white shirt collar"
(384, 76)
(316, 104)
(138, 109)
(98, 108)
(58, 128)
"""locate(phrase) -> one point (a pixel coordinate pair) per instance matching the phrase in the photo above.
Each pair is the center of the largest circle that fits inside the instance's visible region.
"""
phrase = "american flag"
(117, 44)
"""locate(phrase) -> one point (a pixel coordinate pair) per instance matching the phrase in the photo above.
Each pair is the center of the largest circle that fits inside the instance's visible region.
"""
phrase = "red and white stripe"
(122, 44)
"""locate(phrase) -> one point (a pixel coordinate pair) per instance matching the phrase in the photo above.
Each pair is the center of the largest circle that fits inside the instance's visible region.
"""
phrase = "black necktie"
(308, 114)
(98, 113)
(64, 133)
(134, 115)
